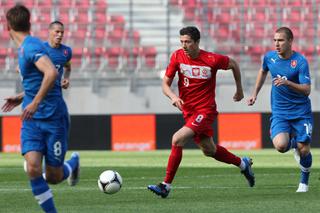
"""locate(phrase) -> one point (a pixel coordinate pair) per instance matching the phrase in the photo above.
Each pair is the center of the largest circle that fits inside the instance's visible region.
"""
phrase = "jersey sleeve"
(304, 74)
(265, 64)
(222, 61)
(173, 66)
(34, 51)
(69, 56)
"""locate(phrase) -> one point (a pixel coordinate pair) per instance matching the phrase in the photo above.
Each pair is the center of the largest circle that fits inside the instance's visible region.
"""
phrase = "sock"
(42, 194)
(305, 164)
(173, 163)
(69, 166)
(223, 155)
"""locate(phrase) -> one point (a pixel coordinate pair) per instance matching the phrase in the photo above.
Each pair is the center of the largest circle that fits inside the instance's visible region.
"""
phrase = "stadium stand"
(141, 34)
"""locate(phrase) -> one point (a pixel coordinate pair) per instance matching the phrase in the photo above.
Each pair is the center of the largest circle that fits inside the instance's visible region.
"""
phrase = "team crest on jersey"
(195, 71)
(294, 63)
(205, 72)
(65, 52)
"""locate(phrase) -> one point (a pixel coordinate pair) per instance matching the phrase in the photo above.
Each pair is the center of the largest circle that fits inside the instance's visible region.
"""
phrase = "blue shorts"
(300, 129)
(50, 137)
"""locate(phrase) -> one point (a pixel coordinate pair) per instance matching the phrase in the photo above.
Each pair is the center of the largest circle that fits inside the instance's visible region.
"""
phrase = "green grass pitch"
(201, 184)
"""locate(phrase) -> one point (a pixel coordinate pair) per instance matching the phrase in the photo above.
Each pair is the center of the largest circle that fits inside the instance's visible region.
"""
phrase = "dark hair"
(286, 31)
(191, 31)
(55, 22)
(18, 18)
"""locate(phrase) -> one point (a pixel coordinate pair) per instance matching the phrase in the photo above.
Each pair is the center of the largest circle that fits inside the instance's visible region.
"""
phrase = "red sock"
(223, 155)
(173, 163)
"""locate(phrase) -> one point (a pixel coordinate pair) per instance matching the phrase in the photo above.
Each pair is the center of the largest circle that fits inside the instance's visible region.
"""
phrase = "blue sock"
(42, 194)
(305, 164)
(69, 166)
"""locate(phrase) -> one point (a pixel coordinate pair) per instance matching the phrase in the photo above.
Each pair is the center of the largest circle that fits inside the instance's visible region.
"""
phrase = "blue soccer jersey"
(52, 106)
(286, 102)
(59, 56)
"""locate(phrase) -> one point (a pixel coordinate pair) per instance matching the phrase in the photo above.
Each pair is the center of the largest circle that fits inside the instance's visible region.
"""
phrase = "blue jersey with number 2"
(286, 102)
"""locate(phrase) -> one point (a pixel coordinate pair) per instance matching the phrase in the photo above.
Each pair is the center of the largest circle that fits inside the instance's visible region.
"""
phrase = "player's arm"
(50, 74)
(262, 75)
(233, 65)
(66, 76)
(166, 89)
(12, 102)
(304, 89)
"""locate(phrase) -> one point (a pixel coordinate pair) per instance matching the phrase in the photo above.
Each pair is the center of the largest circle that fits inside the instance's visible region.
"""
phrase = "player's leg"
(33, 147)
(303, 129)
(178, 141)
(280, 134)
(221, 154)
(39, 186)
(56, 169)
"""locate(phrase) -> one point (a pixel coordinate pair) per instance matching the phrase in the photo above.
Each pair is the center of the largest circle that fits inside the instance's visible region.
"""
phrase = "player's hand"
(251, 100)
(29, 111)
(238, 96)
(177, 102)
(11, 103)
(65, 83)
(278, 81)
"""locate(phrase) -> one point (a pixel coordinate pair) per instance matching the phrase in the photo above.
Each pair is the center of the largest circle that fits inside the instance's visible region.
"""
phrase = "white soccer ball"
(110, 182)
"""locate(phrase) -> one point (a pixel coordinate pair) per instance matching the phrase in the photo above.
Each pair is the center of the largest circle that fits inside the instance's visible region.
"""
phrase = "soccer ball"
(110, 182)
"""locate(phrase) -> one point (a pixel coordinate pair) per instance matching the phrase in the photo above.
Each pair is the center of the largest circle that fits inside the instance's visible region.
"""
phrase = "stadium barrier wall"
(143, 132)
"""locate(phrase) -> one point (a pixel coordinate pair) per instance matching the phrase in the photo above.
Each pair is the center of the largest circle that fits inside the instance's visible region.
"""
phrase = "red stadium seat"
(132, 37)
(149, 54)
(117, 22)
(131, 56)
(3, 56)
(44, 3)
(101, 4)
(115, 37)
(114, 59)
(64, 15)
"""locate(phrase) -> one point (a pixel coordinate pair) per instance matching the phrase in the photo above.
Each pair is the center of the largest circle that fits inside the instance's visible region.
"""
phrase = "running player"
(197, 70)
(45, 117)
(291, 121)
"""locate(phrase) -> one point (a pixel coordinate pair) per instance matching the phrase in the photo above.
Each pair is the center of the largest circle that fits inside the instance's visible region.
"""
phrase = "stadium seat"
(131, 38)
(115, 37)
(101, 4)
(77, 58)
(64, 15)
(3, 56)
(113, 56)
(149, 54)
(81, 16)
(131, 56)
(44, 3)
(116, 22)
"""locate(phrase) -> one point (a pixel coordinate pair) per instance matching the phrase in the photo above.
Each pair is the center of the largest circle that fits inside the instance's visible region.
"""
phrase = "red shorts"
(201, 123)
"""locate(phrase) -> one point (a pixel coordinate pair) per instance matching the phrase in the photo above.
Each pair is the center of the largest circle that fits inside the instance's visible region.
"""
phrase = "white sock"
(168, 185)
(242, 165)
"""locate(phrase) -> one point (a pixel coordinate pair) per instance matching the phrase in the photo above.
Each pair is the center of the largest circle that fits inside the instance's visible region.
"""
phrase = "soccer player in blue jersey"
(291, 121)
(44, 117)
(59, 53)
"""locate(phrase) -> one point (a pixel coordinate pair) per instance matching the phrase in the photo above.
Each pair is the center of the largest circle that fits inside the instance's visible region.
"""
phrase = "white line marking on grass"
(128, 188)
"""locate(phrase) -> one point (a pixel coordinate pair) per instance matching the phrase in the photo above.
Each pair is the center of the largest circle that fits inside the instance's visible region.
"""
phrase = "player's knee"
(34, 171)
(176, 141)
(208, 153)
(281, 149)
